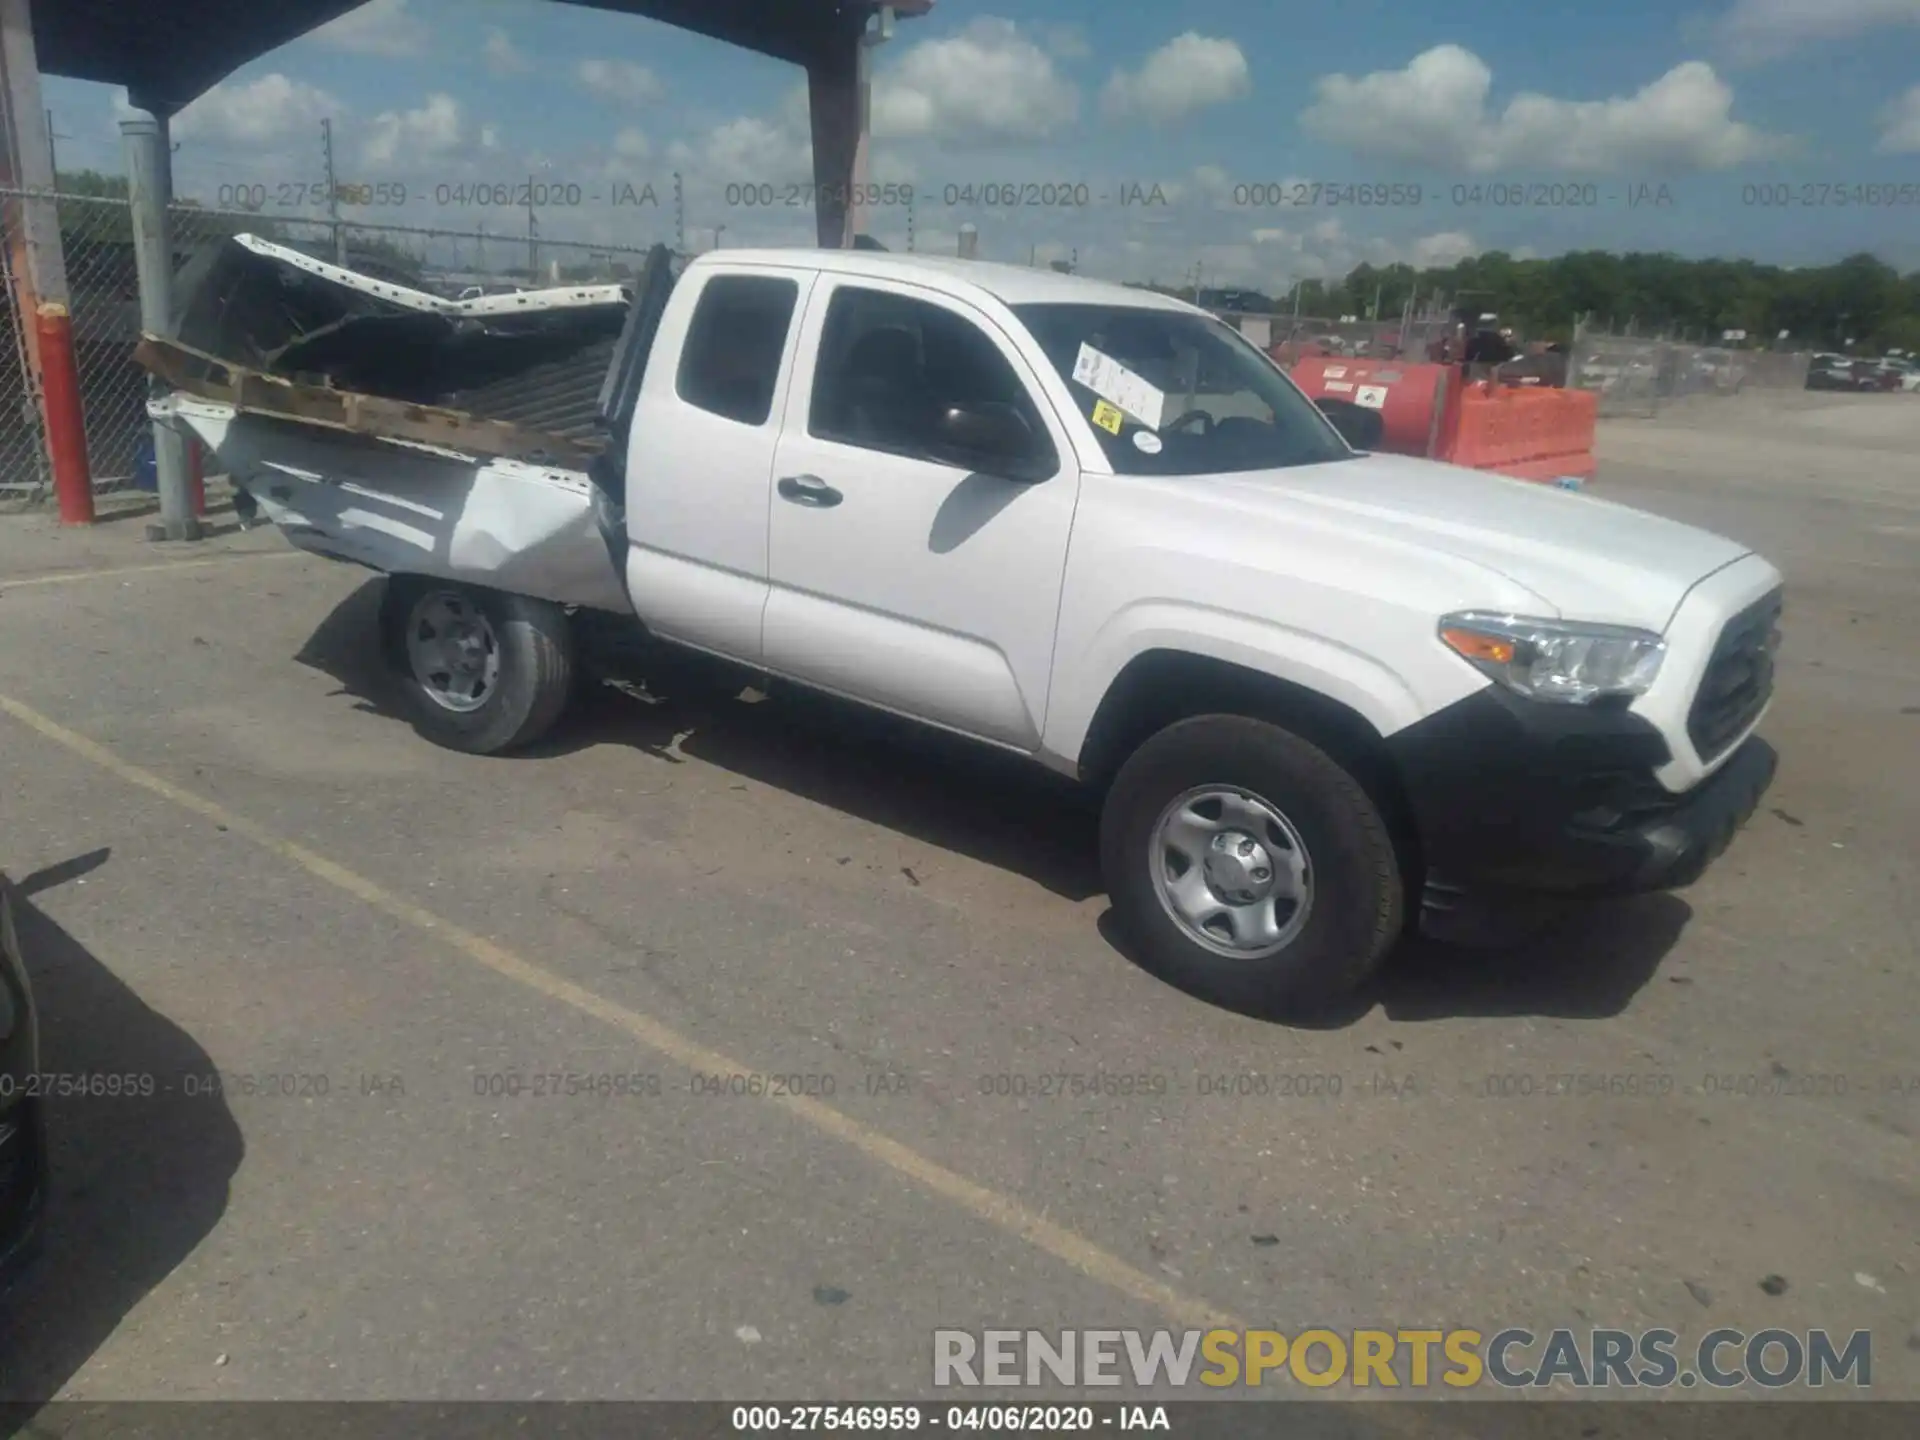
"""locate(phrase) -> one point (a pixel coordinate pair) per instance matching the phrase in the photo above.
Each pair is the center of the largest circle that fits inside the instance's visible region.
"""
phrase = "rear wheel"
(481, 671)
(1247, 867)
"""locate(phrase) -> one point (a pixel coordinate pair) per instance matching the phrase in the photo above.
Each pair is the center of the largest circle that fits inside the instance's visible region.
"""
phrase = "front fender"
(1388, 696)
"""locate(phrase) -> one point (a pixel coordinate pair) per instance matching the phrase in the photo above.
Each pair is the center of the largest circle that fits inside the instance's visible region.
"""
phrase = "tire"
(1319, 950)
(526, 684)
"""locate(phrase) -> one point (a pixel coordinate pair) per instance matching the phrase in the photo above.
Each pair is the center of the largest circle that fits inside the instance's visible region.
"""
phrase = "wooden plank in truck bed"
(256, 392)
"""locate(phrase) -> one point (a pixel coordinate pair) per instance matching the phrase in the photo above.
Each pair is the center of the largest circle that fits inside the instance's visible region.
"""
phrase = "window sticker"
(1146, 442)
(1374, 397)
(1119, 386)
(1107, 418)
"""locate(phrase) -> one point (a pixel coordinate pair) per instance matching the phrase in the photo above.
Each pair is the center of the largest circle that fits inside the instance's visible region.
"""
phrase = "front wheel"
(480, 671)
(1248, 867)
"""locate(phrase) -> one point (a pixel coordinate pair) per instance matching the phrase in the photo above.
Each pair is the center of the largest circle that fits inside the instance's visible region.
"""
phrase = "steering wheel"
(1188, 418)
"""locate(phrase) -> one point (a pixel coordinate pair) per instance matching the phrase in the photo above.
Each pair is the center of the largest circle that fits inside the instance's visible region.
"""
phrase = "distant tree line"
(1820, 307)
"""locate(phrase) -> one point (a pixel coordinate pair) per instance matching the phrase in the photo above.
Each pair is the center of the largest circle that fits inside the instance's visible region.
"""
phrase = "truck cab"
(1093, 525)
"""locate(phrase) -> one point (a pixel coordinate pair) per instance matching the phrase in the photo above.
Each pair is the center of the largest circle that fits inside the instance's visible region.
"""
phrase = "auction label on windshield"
(1107, 418)
(1119, 386)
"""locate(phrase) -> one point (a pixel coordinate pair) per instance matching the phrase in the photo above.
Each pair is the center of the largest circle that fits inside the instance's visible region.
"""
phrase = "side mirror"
(992, 438)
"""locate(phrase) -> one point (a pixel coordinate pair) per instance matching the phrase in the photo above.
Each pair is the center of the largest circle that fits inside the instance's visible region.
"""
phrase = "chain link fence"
(1639, 377)
(96, 235)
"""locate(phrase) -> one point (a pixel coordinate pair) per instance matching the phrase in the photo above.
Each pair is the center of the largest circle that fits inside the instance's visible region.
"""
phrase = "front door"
(896, 575)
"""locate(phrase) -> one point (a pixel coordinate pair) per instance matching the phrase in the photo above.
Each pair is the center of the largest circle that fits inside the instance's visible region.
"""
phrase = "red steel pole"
(66, 423)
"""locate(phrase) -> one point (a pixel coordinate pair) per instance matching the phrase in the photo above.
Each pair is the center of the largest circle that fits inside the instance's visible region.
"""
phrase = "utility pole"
(877, 32)
(333, 193)
(533, 241)
(53, 155)
(679, 216)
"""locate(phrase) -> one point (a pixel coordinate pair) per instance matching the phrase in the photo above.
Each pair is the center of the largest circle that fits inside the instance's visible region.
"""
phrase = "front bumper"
(1509, 794)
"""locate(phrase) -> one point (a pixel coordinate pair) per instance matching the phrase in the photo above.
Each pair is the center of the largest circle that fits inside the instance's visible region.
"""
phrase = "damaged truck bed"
(472, 440)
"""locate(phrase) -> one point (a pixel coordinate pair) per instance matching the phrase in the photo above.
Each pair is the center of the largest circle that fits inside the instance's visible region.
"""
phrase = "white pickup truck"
(1323, 692)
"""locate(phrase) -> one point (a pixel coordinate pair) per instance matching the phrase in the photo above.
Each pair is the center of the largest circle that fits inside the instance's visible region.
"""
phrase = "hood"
(1588, 559)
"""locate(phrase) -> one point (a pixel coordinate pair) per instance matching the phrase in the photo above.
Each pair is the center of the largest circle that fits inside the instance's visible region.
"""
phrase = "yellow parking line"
(62, 577)
(1000, 1211)
(988, 1205)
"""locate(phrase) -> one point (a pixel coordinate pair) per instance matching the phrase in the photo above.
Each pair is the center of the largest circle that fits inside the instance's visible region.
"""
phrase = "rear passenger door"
(901, 575)
(700, 457)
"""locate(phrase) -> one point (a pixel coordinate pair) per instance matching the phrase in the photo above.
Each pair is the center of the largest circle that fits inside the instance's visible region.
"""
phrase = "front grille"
(1738, 679)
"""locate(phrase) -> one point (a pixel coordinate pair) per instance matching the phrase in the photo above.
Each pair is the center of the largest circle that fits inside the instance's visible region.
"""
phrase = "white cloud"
(1187, 74)
(1325, 250)
(379, 27)
(434, 129)
(1754, 30)
(503, 56)
(746, 151)
(989, 82)
(1434, 112)
(265, 111)
(620, 81)
(1900, 125)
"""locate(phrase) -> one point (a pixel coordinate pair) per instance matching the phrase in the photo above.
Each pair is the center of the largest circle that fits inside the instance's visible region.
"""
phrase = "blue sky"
(1475, 103)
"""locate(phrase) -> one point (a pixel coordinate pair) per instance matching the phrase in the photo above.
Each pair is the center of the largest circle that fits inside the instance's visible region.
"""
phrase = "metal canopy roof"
(167, 52)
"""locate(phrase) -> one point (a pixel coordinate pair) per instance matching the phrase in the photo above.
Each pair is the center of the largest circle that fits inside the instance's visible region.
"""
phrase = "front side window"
(731, 360)
(894, 372)
(1226, 406)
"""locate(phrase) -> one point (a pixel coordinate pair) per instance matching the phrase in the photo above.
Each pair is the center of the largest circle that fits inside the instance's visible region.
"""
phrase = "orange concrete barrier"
(1530, 433)
(1409, 397)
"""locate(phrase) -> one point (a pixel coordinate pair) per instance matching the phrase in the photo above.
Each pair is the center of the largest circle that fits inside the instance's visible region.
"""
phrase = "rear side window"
(731, 358)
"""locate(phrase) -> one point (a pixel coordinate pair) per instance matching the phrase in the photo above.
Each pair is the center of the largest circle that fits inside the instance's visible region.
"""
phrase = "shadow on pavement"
(1004, 811)
(993, 807)
(137, 1181)
(1587, 965)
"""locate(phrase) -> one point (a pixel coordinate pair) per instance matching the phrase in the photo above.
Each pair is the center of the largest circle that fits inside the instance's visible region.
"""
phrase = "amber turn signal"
(1476, 646)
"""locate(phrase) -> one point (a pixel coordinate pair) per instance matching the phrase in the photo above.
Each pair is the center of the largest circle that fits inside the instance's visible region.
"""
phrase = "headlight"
(1553, 659)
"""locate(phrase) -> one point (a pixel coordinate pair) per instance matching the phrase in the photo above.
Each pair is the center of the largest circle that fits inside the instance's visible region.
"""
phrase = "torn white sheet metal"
(409, 508)
(566, 297)
(1119, 386)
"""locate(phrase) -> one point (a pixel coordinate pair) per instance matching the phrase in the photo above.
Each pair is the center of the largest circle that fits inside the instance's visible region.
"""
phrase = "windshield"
(1223, 406)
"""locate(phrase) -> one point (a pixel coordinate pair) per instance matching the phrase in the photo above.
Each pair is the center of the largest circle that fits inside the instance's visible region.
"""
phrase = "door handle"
(809, 490)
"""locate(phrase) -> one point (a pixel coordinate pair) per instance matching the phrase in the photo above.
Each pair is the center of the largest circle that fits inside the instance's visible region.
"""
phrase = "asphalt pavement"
(348, 959)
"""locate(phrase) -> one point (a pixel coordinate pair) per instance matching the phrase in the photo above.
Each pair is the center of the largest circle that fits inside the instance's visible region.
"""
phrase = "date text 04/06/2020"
(907, 1419)
(955, 195)
(1499, 195)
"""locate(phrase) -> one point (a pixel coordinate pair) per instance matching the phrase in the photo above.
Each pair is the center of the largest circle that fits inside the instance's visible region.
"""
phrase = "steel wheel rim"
(1231, 871)
(453, 651)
